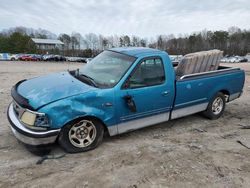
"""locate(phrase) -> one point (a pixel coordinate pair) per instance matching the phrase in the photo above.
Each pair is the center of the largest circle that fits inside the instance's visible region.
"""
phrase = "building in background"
(47, 44)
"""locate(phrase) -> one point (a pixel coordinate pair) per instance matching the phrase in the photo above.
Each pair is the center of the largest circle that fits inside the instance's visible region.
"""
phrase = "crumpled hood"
(46, 89)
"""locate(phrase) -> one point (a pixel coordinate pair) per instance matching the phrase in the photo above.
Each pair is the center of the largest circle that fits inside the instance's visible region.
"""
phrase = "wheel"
(81, 135)
(216, 106)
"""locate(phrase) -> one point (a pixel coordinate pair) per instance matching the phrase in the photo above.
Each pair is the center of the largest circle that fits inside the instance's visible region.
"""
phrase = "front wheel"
(216, 106)
(81, 135)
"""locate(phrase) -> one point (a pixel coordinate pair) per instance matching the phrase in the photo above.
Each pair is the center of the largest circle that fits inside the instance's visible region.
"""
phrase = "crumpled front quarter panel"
(92, 103)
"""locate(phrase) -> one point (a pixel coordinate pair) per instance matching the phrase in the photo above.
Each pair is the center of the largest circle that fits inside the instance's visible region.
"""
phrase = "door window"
(150, 72)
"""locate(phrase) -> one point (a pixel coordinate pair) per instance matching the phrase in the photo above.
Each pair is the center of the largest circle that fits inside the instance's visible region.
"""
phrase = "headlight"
(28, 118)
(31, 119)
(34, 120)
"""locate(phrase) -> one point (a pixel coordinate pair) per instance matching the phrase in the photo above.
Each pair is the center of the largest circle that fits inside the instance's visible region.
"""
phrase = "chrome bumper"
(28, 136)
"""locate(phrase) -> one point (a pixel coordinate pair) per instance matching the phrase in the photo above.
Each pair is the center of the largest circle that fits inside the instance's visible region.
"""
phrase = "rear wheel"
(216, 106)
(81, 135)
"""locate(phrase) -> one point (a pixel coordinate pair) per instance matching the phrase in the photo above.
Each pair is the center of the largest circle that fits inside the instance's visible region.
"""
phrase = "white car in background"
(14, 57)
(233, 60)
(248, 57)
(88, 60)
(224, 60)
(175, 59)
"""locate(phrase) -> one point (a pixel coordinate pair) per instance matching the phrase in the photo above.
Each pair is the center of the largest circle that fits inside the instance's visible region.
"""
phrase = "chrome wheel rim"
(82, 134)
(217, 105)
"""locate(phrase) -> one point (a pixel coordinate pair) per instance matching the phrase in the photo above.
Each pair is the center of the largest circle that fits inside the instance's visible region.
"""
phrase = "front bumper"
(28, 136)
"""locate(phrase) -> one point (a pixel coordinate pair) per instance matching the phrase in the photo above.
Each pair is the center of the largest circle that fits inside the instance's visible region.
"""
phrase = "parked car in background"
(248, 57)
(14, 57)
(59, 58)
(81, 60)
(51, 57)
(22, 57)
(28, 57)
(5, 56)
(224, 60)
(235, 59)
(243, 60)
(70, 59)
(47, 57)
(88, 60)
(77, 59)
(175, 59)
(239, 59)
(37, 57)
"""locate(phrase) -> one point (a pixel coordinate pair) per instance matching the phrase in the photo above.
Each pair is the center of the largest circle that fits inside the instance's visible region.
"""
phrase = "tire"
(81, 135)
(216, 106)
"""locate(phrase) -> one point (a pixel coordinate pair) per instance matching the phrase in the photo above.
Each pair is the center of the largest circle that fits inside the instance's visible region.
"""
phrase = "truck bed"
(194, 91)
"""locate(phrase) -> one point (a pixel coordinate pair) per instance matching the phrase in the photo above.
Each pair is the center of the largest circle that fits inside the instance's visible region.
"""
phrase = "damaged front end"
(29, 126)
(42, 106)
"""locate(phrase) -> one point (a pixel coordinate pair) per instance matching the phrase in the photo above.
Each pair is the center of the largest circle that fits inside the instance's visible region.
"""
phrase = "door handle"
(164, 93)
(130, 103)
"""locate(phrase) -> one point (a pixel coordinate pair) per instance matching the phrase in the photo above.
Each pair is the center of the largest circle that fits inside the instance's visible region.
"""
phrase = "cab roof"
(136, 51)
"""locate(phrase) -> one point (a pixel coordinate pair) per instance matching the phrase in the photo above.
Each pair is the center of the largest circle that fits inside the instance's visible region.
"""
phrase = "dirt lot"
(188, 152)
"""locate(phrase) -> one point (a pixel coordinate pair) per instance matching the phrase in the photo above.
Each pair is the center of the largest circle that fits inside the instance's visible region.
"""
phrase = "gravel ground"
(187, 152)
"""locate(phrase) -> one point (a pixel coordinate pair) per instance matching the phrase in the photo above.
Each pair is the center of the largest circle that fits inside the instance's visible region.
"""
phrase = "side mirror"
(130, 102)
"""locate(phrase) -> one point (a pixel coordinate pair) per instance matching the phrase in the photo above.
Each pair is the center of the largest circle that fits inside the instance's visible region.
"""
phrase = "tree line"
(234, 41)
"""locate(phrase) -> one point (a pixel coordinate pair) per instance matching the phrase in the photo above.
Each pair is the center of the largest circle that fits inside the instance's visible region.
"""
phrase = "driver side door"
(146, 96)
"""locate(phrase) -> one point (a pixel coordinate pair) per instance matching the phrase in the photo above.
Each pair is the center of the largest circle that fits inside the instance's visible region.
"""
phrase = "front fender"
(88, 104)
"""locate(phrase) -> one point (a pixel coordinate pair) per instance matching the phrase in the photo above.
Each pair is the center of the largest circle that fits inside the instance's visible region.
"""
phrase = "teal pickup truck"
(120, 90)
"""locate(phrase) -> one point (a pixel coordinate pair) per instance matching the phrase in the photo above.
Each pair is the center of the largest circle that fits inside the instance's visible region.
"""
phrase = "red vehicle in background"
(28, 58)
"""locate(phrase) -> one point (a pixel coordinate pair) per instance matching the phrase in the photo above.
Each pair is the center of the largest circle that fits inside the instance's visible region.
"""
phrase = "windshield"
(107, 68)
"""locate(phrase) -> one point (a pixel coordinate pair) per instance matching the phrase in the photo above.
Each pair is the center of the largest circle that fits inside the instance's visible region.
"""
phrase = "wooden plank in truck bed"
(199, 62)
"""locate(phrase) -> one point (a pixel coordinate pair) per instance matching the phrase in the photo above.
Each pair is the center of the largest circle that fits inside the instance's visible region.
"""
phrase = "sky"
(145, 18)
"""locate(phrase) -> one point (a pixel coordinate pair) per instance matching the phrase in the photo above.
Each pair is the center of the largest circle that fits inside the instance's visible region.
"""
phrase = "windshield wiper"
(86, 78)
(90, 79)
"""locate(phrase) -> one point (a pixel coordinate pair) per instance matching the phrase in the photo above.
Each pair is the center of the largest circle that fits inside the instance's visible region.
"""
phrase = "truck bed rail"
(221, 69)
